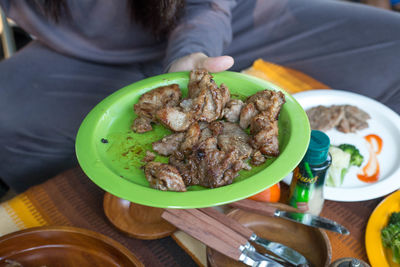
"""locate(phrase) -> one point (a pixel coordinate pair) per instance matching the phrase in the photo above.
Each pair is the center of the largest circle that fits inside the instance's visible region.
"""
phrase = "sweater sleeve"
(205, 27)
(5, 5)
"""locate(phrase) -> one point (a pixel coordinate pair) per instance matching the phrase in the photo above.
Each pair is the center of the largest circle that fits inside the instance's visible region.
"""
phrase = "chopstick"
(231, 223)
(213, 235)
(286, 253)
(262, 208)
(217, 236)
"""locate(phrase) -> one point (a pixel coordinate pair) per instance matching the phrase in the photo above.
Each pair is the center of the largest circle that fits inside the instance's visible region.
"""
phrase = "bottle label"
(304, 181)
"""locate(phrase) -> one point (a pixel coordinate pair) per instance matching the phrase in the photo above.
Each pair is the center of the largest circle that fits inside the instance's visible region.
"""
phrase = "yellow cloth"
(290, 80)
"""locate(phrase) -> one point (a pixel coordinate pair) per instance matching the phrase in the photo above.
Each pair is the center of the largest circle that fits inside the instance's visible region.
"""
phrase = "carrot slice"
(370, 172)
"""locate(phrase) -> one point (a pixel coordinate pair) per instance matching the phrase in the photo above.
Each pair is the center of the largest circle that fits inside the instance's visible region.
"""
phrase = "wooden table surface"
(72, 199)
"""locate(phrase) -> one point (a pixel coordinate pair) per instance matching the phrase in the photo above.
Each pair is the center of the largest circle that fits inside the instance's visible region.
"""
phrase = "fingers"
(200, 60)
(218, 64)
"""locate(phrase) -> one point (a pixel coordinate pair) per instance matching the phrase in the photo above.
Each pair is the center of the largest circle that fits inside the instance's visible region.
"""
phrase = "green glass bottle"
(306, 189)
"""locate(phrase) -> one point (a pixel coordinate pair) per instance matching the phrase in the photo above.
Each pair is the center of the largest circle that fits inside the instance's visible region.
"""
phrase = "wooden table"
(72, 199)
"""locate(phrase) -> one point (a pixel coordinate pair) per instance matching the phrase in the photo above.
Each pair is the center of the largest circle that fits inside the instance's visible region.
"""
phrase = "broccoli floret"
(343, 157)
(394, 218)
(391, 236)
(356, 158)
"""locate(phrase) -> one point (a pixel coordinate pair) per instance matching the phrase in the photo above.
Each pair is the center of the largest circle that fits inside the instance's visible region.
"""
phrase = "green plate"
(110, 153)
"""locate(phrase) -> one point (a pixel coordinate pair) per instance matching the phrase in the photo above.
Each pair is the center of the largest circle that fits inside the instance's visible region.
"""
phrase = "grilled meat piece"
(207, 100)
(232, 110)
(175, 119)
(217, 156)
(257, 158)
(151, 102)
(345, 118)
(164, 177)
(205, 103)
(354, 120)
(192, 136)
(142, 125)
(266, 140)
(168, 144)
(261, 112)
(209, 167)
(247, 114)
(325, 118)
(150, 156)
(233, 137)
(268, 100)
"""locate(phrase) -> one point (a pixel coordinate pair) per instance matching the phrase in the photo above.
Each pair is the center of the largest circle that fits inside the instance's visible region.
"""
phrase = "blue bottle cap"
(317, 151)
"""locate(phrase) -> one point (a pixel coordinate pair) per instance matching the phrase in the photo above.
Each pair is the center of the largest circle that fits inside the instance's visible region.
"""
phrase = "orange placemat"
(292, 81)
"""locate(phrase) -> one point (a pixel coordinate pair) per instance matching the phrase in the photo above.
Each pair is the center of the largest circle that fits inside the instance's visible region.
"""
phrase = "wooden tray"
(311, 242)
(64, 246)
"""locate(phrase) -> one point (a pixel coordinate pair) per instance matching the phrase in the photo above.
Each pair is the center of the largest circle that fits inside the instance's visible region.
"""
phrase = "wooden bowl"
(136, 220)
(311, 242)
(64, 246)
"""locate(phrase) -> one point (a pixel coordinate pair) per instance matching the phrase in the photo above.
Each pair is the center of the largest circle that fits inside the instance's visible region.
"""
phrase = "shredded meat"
(164, 177)
(151, 102)
(345, 118)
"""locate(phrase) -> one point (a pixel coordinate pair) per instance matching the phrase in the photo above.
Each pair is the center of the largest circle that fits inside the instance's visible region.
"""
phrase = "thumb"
(216, 64)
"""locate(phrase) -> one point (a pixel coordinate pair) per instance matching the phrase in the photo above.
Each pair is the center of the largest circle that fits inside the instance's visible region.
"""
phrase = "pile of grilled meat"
(209, 145)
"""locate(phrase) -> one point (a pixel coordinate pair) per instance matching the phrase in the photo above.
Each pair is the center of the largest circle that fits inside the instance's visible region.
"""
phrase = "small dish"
(311, 242)
(378, 255)
(138, 221)
(64, 246)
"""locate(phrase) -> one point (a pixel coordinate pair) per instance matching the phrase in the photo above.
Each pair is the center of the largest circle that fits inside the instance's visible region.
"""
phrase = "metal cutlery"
(286, 253)
(217, 236)
(268, 209)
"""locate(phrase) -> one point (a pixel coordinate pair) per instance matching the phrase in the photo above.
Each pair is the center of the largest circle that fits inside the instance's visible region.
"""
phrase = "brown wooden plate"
(64, 246)
(136, 220)
(311, 242)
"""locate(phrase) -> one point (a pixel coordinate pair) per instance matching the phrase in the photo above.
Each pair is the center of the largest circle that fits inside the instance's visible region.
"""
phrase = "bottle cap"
(317, 151)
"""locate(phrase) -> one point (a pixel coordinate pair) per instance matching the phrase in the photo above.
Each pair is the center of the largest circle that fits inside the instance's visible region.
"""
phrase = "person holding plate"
(82, 51)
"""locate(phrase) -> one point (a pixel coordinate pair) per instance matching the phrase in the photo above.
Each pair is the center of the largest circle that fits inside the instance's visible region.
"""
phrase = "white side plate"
(384, 122)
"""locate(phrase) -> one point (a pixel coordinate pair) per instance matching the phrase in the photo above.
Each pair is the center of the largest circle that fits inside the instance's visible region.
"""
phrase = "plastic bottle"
(306, 189)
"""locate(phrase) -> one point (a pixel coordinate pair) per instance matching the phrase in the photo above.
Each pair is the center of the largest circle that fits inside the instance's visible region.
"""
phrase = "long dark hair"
(159, 16)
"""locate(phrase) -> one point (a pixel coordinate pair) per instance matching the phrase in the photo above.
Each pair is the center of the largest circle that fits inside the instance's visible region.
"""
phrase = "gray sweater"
(102, 31)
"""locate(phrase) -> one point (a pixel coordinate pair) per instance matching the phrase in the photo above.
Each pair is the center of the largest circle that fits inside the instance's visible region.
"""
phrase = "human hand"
(200, 60)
